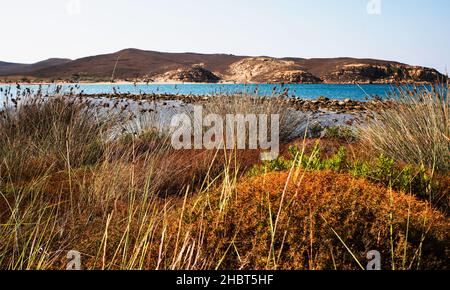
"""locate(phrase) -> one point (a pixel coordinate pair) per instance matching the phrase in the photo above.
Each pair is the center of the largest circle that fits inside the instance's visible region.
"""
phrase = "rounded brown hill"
(134, 64)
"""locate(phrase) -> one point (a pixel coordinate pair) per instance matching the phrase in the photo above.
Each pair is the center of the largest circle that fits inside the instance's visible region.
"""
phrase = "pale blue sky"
(410, 31)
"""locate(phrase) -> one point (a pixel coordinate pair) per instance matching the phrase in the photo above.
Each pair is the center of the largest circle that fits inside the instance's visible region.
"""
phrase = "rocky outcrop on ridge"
(366, 73)
(195, 74)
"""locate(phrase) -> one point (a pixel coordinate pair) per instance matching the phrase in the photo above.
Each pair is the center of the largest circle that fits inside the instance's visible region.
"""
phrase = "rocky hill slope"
(140, 65)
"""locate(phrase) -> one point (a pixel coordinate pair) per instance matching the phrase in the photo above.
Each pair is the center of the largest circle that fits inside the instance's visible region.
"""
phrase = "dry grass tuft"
(49, 134)
(416, 130)
(292, 122)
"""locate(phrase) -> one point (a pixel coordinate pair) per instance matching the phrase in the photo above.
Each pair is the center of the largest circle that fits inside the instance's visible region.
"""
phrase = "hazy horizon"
(404, 31)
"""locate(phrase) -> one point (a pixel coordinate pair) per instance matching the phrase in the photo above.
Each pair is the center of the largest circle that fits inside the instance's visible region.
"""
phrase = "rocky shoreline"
(306, 105)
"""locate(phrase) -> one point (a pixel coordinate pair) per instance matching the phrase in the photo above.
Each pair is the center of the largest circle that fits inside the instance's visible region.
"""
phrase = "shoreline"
(202, 83)
(299, 104)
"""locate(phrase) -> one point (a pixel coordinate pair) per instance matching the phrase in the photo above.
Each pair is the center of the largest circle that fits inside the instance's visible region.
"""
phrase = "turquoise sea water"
(306, 91)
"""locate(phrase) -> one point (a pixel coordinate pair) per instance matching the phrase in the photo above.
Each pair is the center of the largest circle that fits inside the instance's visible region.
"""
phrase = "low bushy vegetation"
(382, 170)
(342, 133)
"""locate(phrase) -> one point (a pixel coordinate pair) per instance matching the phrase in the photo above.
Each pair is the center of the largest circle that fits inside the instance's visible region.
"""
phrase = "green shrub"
(315, 130)
(340, 133)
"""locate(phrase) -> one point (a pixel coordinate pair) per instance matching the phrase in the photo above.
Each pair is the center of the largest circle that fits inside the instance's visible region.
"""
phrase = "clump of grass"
(292, 122)
(44, 134)
(415, 130)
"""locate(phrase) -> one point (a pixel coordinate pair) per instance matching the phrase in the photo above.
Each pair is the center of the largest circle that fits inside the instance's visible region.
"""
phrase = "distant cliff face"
(268, 70)
(271, 70)
(140, 65)
(294, 77)
(366, 73)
